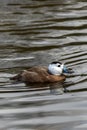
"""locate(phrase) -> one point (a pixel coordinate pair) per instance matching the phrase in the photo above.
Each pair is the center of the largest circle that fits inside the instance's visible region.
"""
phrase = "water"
(37, 32)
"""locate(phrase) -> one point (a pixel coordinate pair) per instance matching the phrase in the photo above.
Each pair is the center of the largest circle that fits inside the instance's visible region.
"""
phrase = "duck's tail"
(17, 77)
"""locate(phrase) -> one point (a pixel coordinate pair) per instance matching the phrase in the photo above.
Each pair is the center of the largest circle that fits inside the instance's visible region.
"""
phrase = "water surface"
(37, 32)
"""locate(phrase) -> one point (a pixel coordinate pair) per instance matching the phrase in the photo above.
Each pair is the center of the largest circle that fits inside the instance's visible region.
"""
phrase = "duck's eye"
(58, 65)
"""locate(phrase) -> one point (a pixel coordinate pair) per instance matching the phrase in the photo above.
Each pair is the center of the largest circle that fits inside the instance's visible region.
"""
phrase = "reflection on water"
(37, 32)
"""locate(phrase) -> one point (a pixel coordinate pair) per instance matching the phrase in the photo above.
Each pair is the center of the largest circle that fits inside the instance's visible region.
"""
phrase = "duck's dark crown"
(55, 62)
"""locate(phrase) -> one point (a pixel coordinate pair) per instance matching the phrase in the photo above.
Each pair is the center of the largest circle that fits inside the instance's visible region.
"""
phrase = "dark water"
(37, 32)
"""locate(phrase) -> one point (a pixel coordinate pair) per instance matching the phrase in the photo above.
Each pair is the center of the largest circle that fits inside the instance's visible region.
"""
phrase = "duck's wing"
(35, 74)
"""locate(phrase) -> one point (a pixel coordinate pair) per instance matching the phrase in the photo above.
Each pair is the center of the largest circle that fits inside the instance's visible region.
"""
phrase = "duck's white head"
(57, 68)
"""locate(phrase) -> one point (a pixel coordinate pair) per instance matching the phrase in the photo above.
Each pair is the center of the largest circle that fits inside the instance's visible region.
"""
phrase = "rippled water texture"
(37, 32)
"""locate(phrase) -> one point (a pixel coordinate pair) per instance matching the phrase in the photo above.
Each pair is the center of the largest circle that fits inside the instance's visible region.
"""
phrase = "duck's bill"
(67, 70)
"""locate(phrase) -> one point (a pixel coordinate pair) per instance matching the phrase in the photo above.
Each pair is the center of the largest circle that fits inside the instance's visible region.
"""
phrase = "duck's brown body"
(37, 75)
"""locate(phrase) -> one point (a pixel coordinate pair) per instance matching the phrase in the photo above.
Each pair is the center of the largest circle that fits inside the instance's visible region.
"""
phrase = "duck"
(55, 72)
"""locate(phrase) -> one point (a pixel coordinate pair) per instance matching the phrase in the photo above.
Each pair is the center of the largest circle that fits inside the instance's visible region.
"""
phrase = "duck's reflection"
(54, 88)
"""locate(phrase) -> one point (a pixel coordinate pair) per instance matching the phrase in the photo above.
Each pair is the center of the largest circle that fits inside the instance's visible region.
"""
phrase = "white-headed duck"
(55, 72)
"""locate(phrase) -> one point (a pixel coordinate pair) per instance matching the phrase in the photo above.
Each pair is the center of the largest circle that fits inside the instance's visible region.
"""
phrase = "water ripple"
(37, 33)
